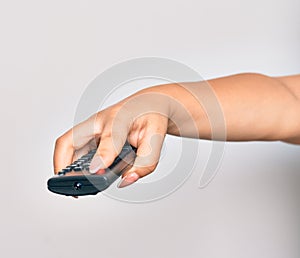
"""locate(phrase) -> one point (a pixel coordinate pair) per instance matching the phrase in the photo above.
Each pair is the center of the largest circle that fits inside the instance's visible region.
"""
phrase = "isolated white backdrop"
(51, 50)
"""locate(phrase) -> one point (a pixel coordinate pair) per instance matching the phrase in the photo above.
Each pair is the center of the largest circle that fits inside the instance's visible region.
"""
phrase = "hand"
(142, 119)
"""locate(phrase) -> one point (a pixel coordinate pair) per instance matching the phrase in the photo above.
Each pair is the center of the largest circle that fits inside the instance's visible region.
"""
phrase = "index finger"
(70, 141)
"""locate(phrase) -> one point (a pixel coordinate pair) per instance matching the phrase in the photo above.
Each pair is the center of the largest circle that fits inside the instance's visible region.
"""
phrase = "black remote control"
(75, 179)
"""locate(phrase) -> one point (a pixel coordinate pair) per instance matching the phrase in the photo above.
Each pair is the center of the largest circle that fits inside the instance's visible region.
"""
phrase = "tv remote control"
(75, 179)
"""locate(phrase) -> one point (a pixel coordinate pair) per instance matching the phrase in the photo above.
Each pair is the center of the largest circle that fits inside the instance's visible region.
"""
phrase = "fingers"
(148, 153)
(111, 143)
(146, 132)
(72, 140)
(63, 152)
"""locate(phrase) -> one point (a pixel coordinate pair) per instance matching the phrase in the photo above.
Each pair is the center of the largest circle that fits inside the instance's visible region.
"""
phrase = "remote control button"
(78, 169)
(61, 173)
(67, 169)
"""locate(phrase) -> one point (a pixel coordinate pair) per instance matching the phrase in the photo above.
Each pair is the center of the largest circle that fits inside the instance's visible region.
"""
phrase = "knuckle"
(152, 167)
(106, 134)
(59, 141)
(97, 122)
(145, 170)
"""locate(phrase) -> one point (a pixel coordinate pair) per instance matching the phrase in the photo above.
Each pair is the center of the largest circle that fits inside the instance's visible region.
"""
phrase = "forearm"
(255, 107)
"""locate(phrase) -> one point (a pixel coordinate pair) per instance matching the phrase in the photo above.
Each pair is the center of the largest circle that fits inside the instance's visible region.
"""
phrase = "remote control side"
(75, 179)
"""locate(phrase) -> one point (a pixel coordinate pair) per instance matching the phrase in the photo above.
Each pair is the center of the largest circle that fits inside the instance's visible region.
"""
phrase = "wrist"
(185, 111)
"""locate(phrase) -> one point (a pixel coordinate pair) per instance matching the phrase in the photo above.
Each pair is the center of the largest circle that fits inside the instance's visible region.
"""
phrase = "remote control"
(75, 179)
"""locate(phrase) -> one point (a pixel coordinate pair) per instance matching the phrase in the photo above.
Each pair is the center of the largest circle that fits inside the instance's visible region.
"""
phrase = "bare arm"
(254, 107)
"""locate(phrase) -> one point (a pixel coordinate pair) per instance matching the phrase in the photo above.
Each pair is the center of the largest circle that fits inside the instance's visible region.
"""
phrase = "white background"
(51, 50)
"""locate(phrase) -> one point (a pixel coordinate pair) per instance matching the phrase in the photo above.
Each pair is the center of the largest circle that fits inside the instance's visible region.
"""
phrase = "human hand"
(141, 119)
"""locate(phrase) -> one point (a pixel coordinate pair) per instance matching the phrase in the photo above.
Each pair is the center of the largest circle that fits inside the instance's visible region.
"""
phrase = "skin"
(254, 107)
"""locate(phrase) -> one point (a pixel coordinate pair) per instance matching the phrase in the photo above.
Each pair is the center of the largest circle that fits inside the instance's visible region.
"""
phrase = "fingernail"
(96, 164)
(128, 179)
